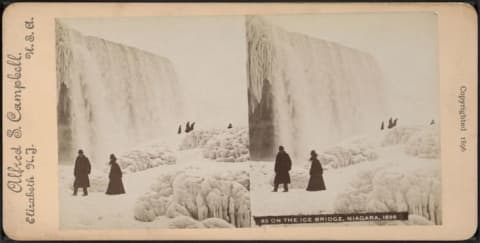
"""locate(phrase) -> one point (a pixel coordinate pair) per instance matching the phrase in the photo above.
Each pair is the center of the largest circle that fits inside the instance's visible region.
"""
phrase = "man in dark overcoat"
(283, 164)
(81, 172)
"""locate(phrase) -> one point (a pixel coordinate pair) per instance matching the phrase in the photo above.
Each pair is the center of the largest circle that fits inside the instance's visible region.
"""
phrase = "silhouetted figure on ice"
(283, 164)
(189, 127)
(81, 171)
(115, 185)
(179, 129)
(390, 123)
(394, 123)
(229, 125)
(432, 122)
(316, 182)
(382, 126)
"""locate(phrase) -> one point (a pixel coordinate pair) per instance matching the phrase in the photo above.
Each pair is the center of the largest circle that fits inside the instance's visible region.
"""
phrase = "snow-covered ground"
(393, 179)
(392, 170)
(98, 210)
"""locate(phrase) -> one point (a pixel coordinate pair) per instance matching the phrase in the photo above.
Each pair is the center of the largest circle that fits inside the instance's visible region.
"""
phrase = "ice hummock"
(198, 196)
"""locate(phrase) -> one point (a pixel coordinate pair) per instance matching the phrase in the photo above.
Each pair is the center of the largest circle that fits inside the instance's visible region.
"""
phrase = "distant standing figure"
(316, 182)
(179, 129)
(192, 126)
(394, 123)
(432, 122)
(390, 123)
(283, 164)
(229, 126)
(187, 127)
(81, 172)
(382, 126)
(115, 185)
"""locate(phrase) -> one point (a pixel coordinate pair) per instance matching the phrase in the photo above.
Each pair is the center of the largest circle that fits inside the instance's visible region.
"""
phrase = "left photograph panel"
(152, 118)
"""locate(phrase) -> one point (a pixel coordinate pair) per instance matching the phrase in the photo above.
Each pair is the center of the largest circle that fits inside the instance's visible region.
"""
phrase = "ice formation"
(419, 141)
(146, 157)
(227, 145)
(198, 197)
(305, 92)
(111, 96)
(347, 154)
(424, 144)
(197, 138)
(394, 190)
(185, 222)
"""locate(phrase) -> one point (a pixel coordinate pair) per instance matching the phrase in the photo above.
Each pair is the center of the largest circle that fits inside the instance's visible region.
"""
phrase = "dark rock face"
(261, 126)
(64, 121)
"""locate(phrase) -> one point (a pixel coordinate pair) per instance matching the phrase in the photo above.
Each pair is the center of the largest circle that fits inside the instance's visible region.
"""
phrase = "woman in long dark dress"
(115, 185)
(316, 182)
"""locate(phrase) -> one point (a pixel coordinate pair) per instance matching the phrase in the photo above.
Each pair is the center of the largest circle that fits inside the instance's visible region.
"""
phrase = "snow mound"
(419, 141)
(347, 154)
(216, 223)
(399, 135)
(392, 190)
(241, 177)
(230, 145)
(222, 145)
(424, 144)
(185, 222)
(197, 197)
(197, 138)
(146, 157)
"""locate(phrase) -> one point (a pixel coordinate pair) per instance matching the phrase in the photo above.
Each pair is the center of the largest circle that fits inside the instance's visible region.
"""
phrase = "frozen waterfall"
(111, 96)
(306, 93)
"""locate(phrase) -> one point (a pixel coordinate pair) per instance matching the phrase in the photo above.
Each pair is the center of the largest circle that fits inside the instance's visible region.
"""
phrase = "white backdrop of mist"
(209, 56)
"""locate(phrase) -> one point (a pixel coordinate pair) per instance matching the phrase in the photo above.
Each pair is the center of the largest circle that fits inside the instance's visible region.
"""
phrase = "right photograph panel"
(344, 119)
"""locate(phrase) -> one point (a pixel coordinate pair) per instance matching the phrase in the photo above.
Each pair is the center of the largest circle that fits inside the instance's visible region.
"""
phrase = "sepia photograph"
(344, 114)
(240, 121)
(152, 122)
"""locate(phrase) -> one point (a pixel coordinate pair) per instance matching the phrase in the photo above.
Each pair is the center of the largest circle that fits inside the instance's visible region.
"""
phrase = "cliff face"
(111, 96)
(305, 93)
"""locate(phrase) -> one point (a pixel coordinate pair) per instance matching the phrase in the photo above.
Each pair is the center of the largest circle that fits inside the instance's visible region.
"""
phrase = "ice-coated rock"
(185, 222)
(419, 141)
(424, 143)
(216, 223)
(198, 197)
(393, 190)
(222, 145)
(145, 157)
(230, 145)
(197, 138)
(347, 154)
